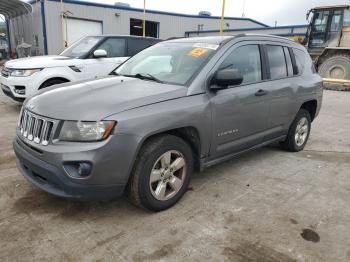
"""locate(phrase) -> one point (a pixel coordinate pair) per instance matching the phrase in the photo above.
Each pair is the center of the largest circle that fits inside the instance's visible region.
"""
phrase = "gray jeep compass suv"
(178, 106)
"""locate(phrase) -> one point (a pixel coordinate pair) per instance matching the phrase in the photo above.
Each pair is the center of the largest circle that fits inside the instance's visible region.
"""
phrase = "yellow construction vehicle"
(328, 40)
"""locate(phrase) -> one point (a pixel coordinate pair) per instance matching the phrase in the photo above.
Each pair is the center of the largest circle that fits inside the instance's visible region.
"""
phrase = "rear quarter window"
(137, 45)
(303, 62)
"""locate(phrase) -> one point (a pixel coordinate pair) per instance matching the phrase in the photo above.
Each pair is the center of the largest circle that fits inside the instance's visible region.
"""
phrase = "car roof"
(205, 39)
(219, 40)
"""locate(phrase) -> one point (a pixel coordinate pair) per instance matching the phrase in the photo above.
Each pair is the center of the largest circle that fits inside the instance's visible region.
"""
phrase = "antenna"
(243, 12)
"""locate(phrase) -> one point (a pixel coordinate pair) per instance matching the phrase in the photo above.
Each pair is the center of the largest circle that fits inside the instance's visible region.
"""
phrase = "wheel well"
(191, 136)
(311, 107)
(54, 79)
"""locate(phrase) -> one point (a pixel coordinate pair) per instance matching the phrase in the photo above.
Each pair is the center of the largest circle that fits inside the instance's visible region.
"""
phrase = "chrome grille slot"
(31, 123)
(35, 128)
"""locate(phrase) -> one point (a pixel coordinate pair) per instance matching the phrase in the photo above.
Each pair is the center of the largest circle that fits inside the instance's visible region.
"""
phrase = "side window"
(299, 59)
(115, 47)
(289, 61)
(303, 61)
(335, 24)
(277, 62)
(346, 22)
(247, 60)
(137, 45)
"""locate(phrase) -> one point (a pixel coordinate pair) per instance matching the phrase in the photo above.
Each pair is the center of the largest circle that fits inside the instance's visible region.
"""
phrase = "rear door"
(116, 54)
(281, 89)
(240, 113)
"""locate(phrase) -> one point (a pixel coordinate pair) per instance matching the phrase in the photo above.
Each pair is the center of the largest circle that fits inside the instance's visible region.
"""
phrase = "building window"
(136, 28)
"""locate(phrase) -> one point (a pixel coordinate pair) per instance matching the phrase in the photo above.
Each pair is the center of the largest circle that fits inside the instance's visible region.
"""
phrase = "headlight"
(86, 131)
(24, 72)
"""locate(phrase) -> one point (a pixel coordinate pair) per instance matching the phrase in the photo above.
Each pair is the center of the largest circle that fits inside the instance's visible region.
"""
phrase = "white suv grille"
(35, 128)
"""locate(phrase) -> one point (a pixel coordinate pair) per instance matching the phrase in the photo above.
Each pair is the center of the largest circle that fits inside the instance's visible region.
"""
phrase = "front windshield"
(168, 62)
(81, 47)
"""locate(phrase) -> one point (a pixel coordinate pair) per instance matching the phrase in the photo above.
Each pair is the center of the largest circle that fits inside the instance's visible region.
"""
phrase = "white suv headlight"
(83, 131)
(24, 72)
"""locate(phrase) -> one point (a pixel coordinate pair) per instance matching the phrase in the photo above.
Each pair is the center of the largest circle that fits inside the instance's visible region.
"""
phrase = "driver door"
(116, 54)
(240, 113)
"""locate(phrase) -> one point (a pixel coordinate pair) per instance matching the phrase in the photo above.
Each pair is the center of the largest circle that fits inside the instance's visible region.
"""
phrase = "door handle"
(261, 92)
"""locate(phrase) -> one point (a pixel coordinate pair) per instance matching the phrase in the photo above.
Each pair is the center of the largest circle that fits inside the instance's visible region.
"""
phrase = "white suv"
(88, 58)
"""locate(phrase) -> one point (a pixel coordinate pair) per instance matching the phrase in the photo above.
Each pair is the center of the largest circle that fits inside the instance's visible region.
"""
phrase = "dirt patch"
(7, 160)
(333, 157)
(110, 239)
(310, 235)
(293, 221)
(163, 252)
(38, 201)
(254, 252)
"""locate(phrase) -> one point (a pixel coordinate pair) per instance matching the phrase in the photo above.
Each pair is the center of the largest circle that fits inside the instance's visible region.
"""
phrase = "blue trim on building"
(292, 27)
(7, 21)
(291, 34)
(43, 21)
(151, 11)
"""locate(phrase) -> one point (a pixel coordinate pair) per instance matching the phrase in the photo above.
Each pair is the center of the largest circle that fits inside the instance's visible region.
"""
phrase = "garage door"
(77, 28)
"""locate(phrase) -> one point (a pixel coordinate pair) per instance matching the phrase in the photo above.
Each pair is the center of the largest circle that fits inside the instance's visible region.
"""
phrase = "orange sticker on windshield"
(197, 52)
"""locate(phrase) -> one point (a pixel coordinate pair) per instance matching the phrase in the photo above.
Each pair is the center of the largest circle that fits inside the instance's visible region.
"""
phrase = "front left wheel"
(161, 173)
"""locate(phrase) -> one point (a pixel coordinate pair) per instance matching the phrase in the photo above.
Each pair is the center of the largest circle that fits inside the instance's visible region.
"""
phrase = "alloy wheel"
(167, 175)
(301, 131)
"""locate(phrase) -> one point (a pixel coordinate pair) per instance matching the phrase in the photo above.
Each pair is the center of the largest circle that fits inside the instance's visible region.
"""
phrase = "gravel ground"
(267, 205)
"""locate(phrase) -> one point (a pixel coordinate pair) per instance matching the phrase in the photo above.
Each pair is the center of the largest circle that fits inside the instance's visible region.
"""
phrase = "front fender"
(58, 72)
(146, 121)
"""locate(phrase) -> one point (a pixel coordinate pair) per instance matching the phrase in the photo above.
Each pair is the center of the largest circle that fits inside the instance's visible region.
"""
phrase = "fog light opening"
(78, 169)
(84, 169)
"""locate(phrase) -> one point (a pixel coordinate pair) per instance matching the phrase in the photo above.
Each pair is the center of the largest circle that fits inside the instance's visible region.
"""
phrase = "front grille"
(35, 128)
(5, 72)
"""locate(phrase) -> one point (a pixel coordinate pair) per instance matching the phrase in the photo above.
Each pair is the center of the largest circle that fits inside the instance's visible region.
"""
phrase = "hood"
(94, 100)
(41, 62)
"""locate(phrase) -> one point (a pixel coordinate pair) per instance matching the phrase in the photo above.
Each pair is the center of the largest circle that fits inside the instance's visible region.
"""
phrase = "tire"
(337, 67)
(52, 82)
(153, 159)
(291, 143)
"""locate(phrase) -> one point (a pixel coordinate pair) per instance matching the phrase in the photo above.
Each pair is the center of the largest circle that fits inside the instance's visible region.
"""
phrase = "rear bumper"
(54, 181)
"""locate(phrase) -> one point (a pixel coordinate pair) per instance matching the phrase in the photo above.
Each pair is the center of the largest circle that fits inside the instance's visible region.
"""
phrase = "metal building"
(285, 31)
(53, 24)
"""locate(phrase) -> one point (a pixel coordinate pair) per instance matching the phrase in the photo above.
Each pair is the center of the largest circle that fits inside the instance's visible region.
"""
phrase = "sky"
(285, 12)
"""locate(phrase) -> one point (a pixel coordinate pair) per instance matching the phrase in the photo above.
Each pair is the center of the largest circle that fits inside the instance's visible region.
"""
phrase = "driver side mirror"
(100, 53)
(225, 78)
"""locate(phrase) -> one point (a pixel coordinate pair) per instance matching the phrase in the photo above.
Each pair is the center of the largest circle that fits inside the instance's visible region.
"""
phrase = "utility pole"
(63, 30)
(222, 18)
(144, 19)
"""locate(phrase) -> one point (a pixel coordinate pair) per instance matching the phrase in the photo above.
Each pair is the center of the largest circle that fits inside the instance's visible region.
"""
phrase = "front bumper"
(29, 85)
(7, 91)
(50, 175)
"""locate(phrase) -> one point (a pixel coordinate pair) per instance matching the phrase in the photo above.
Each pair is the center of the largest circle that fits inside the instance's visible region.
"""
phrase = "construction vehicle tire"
(336, 67)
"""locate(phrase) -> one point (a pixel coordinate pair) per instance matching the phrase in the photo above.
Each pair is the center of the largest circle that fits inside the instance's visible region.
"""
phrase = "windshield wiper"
(145, 76)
